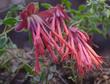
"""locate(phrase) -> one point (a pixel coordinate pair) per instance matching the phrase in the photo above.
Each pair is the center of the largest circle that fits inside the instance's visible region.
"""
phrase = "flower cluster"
(50, 31)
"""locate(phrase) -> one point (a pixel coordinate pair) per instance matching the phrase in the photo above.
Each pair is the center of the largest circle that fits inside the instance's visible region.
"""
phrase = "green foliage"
(3, 41)
(66, 3)
(10, 21)
(82, 8)
(28, 69)
(46, 5)
(91, 15)
(42, 76)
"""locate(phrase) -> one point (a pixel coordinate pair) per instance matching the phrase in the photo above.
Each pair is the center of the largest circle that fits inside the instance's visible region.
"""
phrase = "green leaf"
(67, 3)
(10, 21)
(43, 76)
(2, 51)
(95, 30)
(19, 7)
(28, 68)
(107, 13)
(73, 11)
(46, 5)
(82, 8)
(102, 1)
(3, 41)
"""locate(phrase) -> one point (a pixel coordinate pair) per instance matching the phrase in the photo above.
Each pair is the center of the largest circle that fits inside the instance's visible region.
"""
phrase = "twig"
(59, 75)
(73, 24)
(7, 31)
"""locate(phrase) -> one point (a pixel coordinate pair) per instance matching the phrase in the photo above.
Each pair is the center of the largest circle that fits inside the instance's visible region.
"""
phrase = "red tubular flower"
(56, 17)
(86, 58)
(40, 33)
(47, 29)
(24, 15)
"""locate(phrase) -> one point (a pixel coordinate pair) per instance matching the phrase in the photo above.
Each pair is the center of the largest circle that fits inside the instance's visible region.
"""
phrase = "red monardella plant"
(47, 29)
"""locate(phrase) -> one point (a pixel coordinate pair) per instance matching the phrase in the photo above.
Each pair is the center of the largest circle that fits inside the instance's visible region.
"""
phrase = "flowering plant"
(50, 31)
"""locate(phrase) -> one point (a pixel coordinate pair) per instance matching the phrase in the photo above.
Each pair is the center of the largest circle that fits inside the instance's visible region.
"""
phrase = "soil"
(60, 76)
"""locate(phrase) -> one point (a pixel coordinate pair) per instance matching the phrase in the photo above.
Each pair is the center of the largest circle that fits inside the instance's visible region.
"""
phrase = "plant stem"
(7, 31)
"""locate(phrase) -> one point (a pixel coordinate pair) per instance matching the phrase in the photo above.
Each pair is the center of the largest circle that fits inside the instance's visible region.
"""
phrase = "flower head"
(86, 58)
(76, 42)
(28, 11)
(55, 18)
(40, 33)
